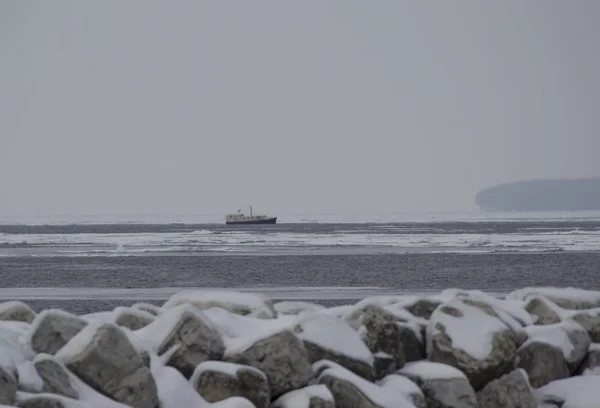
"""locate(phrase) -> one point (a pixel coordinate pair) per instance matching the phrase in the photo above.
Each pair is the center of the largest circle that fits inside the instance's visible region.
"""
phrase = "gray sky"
(125, 107)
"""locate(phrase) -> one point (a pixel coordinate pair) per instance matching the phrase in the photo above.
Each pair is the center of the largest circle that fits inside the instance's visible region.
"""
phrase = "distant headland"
(542, 195)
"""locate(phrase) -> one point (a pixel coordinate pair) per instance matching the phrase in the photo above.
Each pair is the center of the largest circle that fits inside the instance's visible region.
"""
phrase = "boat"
(240, 218)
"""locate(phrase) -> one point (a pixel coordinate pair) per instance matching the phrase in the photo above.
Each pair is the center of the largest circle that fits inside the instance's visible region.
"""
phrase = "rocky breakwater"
(535, 347)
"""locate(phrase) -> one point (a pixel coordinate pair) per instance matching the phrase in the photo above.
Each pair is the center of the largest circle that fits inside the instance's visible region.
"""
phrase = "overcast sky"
(191, 107)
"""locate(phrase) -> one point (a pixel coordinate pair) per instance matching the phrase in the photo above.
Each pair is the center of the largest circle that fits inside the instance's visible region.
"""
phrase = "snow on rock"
(405, 387)
(442, 385)
(217, 381)
(574, 392)
(245, 304)
(45, 375)
(52, 329)
(312, 396)
(469, 334)
(280, 355)
(512, 390)
(8, 387)
(15, 310)
(103, 357)
(327, 338)
(543, 310)
(185, 331)
(591, 363)
(569, 336)
(384, 332)
(567, 298)
(148, 308)
(133, 319)
(351, 390)
(590, 321)
(295, 308)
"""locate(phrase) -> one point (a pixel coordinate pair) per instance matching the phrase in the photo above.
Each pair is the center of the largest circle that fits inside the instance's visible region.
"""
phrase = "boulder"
(280, 355)
(52, 329)
(8, 387)
(569, 337)
(245, 304)
(469, 335)
(216, 381)
(382, 331)
(102, 356)
(187, 335)
(312, 396)
(352, 391)
(297, 307)
(543, 310)
(591, 323)
(423, 308)
(443, 386)
(45, 375)
(328, 338)
(384, 365)
(591, 363)
(574, 392)
(16, 311)
(148, 308)
(512, 390)
(133, 319)
(409, 390)
(542, 362)
(48, 401)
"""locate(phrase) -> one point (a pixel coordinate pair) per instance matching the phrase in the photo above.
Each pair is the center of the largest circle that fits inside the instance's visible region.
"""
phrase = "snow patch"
(301, 398)
(430, 370)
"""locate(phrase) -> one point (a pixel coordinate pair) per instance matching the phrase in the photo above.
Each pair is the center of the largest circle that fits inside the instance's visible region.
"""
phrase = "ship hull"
(272, 220)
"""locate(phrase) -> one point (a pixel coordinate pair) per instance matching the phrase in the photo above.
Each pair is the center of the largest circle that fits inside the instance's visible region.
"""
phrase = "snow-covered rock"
(103, 357)
(52, 329)
(591, 323)
(552, 352)
(543, 310)
(405, 387)
(8, 387)
(187, 334)
(574, 392)
(15, 310)
(297, 307)
(45, 375)
(132, 318)
(442, 385)
(567, 298)
(312, 396)
(280, 355)
(327, 338)
(468, 334)
(245, 304)
(591, 363)
(384, 332)
(350, 390)
(216, 381)
(512, 390)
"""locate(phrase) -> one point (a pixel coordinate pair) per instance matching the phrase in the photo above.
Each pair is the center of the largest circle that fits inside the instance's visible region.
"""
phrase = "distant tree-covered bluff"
(542, 195)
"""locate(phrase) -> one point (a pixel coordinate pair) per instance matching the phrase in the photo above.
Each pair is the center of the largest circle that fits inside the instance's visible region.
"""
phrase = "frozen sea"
(89, 263)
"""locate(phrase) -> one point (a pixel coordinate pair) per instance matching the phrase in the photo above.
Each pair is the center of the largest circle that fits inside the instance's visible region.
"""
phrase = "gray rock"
(8, 387)
(384, 332)
(316, 396)
(540, 308)
(16, 311)
(55, 379)
(195, 339)
(217, 381)
(105, 359)
(345, 393)
(591, 323)
(147, 307)
(440, 346)
(281, 356)
(133, 321)
(580, 339)
(591, 363)
(509, 391)
(43, 401)
(384, 365)
(401, 384)
(542, 362)
(444, 391)
(423, 308)
(316, 353)
(53, 329)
